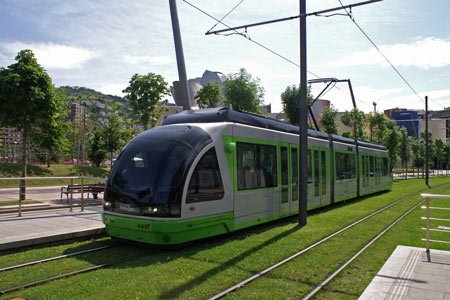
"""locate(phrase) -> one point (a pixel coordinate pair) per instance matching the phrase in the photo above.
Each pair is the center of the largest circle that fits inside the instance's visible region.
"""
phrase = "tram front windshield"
(148, 176)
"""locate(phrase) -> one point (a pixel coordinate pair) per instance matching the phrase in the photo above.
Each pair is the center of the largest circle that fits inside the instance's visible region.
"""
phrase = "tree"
(208, 96)
(380, 122)
(355, 119)
(52, 136)
(439, 152)
(290, 100)
(96, 149)
(242, 92)
(114, 135)
(391, 140)
(431, 148)
(404, 149)
(146, 93)
(447, 155)
(27, 100)
(418, 154)
(329, 120)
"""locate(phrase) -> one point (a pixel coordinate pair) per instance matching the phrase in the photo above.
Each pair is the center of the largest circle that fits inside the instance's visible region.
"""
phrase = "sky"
(101, 44)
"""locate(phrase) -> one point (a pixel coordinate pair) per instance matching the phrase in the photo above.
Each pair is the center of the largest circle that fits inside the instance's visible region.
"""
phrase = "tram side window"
(309, 180)
(372, 166)
(256, 166)
(384, 166)
(206, 182)
(345, 165)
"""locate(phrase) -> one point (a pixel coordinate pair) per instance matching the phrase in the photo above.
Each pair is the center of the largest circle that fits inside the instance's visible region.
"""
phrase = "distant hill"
(97, 104)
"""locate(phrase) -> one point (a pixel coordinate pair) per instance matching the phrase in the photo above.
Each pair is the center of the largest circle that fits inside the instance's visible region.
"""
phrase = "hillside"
(97, 104)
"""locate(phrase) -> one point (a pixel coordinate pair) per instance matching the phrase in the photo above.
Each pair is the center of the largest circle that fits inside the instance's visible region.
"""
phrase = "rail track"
(37, 282)
(312, 246)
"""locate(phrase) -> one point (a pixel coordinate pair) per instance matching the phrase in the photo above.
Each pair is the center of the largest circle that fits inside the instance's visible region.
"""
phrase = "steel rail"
(267, 270)
(348, 262)
(27, 285)
(53, 258)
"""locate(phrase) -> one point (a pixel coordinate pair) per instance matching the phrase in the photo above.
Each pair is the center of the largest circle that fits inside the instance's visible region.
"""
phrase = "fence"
(22, 189)
(444, 229)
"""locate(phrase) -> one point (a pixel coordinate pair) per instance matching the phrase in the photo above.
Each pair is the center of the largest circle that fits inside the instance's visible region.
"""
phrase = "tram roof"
(224, 114)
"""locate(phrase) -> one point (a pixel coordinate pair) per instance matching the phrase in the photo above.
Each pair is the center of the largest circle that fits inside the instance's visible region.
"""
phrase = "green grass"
(15, 170)
(5, 203)
(206, 267)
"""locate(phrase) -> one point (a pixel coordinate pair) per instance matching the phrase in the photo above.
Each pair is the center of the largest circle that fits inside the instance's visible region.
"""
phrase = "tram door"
(286, 199)
(320, 191)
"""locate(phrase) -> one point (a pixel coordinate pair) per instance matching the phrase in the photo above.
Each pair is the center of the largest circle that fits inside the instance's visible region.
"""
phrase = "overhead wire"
(240, 2)
(350, 15)
(246, 36)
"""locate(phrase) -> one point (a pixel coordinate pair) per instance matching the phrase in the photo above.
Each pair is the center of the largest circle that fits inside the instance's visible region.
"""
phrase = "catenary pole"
(180, 55)
(303, 114)
(426, 141)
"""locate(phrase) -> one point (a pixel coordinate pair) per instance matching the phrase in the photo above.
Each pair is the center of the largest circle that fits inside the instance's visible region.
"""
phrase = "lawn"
(206, 267)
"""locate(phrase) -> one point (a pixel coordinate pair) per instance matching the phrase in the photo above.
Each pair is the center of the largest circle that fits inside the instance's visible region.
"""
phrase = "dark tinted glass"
(309, 180)
(316, 173)
(324, 172)
(149, 175)
(206, 182)
(345, 165)
(256, 166)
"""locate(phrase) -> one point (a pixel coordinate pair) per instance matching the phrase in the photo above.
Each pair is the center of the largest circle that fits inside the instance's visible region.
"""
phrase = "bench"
(94, 188)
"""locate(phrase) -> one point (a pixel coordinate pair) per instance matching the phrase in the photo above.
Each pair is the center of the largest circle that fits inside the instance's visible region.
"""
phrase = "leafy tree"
(146, 93)
(114, 134)
(290, 98)
(404, 149)
(418, 154)
(27, 100)
(242, 92)
(391, 140)
(356, 120)
(329, 120)
(96, 149)
(52, 136)
(431, 148)
(208, 96)
(376, 123)
(447, 155)
(439, 152)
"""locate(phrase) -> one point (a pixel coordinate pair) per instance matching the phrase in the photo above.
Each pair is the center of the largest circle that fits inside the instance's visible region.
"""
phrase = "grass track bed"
(207, 267)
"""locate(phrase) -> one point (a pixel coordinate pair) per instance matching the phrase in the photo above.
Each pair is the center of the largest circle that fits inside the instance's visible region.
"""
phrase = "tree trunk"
(48, 158)
(23, 183)
(406, 168)
(110, 159)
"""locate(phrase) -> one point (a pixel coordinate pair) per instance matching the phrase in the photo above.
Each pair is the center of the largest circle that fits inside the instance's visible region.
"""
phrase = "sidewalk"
(37, 227)
(410, 273)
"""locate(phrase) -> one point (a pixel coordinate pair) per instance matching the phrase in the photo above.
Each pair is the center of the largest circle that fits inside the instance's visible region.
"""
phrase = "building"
(10, 145)
(195, 84)
(77, 113)
(408, 119)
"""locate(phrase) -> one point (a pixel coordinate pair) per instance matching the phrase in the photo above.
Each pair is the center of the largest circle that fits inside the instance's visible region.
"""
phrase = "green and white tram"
(214, 171)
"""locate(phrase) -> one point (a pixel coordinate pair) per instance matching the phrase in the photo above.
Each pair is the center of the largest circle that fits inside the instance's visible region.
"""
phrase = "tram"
(213, 171)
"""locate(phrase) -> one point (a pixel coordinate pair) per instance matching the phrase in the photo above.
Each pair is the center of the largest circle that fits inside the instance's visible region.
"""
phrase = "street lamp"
(374, 107)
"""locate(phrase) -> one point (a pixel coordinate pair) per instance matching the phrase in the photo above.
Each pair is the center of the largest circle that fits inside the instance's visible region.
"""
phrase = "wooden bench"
(94, 188)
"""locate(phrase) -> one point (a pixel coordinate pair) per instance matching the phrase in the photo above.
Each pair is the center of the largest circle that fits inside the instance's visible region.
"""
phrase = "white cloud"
(54, 56)
(113, 89)
(155, 60)
(426, 53)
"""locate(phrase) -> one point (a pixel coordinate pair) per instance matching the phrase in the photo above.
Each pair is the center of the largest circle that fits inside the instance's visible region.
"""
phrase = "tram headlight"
(152, 210)
(107, 204)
